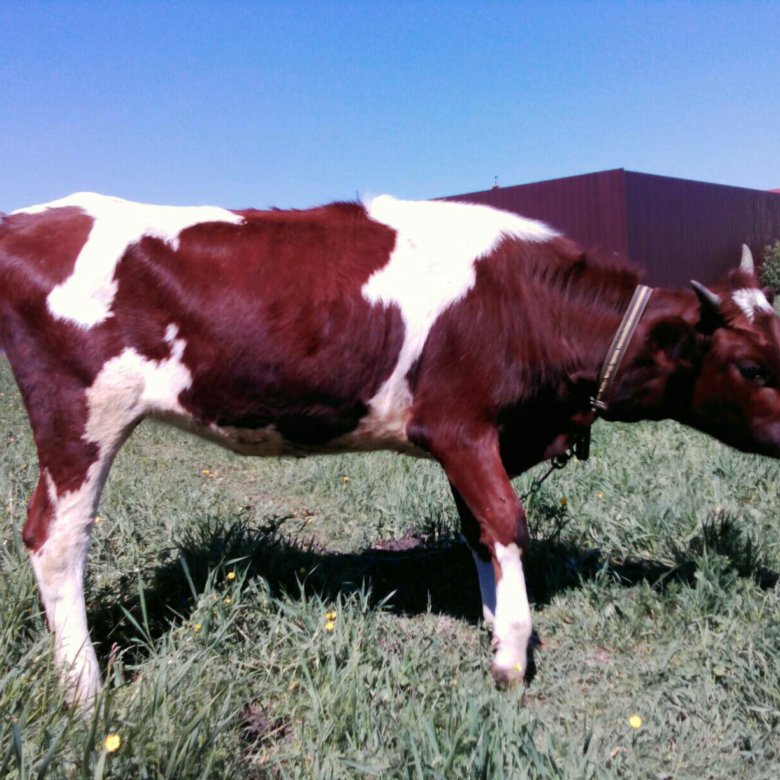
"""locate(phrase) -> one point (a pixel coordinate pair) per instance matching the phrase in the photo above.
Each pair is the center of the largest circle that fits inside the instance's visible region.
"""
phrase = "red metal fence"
(675, 229)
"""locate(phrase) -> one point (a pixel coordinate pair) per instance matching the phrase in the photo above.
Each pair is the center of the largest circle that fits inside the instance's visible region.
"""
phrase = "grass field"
(319, 619)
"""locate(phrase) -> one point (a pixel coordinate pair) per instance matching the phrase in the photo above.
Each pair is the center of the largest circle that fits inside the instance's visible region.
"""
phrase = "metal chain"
(557, 463)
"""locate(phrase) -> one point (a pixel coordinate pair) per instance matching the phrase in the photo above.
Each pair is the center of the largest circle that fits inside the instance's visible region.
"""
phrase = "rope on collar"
(617, 351)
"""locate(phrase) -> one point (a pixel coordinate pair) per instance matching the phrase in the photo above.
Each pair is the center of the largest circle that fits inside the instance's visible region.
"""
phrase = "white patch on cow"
(512, 626)
(751, 300)
(130, 386)
(86, 296)
(487, 587)
(432, 266)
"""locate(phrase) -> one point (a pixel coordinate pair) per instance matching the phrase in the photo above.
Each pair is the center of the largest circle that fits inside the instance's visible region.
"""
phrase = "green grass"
(654, 587)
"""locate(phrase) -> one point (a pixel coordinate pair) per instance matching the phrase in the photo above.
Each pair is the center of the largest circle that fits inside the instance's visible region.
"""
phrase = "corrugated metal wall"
(680, 229)
(589, 209)
(674, 228)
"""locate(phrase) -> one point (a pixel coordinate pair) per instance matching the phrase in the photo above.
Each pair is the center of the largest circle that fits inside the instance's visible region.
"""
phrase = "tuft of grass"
(320, 618)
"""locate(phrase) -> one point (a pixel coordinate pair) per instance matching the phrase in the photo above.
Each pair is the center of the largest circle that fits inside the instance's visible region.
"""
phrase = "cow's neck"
(656, 378)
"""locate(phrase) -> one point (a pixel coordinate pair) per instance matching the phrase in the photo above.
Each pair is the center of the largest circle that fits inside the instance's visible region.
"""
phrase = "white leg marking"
(59, 566)
(487, 587)
(512, 628)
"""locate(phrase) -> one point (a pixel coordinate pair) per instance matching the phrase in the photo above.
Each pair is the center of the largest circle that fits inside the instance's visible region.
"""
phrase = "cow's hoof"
(508, 678)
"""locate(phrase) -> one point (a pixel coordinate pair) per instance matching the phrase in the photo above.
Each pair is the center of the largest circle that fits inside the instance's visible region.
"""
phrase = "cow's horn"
(707, 297)
(746, 264)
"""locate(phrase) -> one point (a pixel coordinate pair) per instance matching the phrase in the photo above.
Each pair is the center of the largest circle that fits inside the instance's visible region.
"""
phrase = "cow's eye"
(753, 372)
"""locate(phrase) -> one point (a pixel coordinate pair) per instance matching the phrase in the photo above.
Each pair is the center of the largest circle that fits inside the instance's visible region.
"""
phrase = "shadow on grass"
(555, 565)
(409, 575)
(429, 570)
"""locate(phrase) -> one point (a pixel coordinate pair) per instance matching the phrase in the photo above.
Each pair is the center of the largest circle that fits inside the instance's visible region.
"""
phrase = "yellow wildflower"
(564, 501)
(112, 742)
(330, 625)
(344, 480)
(197, 627)
(635, 722)
(519, 668)
(97, 519)
(332, 615)
(228, 600)
(231, 575)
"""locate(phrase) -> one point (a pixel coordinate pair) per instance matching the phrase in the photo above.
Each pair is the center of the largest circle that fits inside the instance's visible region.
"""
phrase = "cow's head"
(736, 394)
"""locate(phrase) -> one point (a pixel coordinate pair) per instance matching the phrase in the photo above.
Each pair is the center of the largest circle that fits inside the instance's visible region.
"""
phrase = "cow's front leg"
(495, 527)
(482, 558)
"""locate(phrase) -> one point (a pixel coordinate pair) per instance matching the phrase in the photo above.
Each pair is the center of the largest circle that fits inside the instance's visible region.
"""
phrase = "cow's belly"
(377, 430)
(250, 418)
(258, 420)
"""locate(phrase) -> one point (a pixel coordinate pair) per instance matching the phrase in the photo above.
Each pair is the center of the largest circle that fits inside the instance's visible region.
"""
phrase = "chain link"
(557, 463)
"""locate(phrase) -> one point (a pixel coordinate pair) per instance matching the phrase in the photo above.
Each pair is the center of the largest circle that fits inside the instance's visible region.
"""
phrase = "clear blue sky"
(298, 103)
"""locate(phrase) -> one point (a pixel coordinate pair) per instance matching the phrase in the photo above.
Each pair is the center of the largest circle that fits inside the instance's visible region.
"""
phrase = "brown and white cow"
(436, 329)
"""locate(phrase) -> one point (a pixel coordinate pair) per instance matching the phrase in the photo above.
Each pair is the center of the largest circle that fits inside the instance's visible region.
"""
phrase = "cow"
(442, 330)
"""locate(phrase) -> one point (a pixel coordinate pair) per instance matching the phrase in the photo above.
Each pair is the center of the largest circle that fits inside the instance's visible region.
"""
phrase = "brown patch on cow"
(276, 329)
(53, 361)
(37, 253)
(39, 515)
(42, 248)
(509, 371)
(58, 421)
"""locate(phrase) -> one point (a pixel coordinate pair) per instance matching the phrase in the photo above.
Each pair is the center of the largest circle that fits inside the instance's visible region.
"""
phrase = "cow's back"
(240, 321)
(273, 331)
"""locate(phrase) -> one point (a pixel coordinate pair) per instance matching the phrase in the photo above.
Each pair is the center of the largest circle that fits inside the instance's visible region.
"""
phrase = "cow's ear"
(711, 316)
(675, 338)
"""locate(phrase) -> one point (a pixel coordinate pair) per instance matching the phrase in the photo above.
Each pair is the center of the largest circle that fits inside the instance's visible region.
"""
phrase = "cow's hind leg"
(57, 534)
